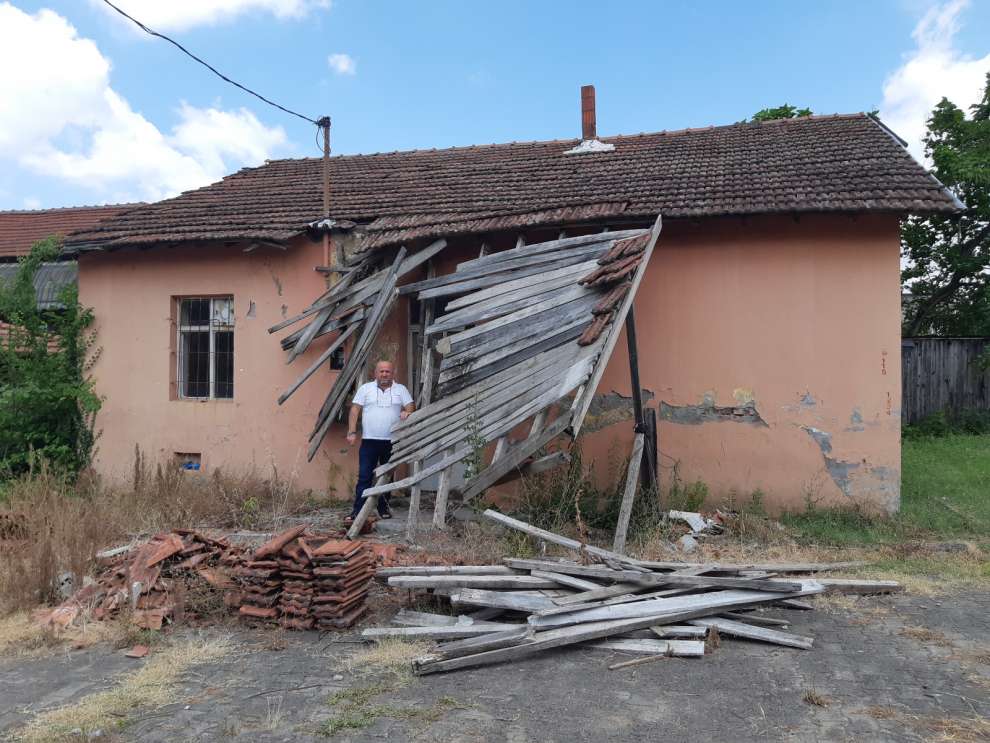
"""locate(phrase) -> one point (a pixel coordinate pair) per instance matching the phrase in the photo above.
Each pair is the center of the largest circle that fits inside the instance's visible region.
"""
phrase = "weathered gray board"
(943, 374)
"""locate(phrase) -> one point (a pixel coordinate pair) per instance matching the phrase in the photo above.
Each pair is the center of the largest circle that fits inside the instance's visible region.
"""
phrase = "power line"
(211, 68)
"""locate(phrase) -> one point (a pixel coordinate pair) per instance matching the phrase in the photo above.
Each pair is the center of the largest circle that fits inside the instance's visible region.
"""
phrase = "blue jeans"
(372, 453)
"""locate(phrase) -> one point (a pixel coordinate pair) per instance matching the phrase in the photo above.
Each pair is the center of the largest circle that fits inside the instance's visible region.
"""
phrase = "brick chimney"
(589, 128)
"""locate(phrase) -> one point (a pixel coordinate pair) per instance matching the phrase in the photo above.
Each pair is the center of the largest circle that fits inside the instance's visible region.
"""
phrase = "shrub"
(946, 423)
(47, 404)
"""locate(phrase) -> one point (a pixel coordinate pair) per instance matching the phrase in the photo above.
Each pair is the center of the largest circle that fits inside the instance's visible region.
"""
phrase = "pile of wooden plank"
(607, 600)
(523, 341)
(304, 581)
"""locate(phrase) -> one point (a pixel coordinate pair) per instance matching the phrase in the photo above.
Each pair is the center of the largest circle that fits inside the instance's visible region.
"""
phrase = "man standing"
(380, 405)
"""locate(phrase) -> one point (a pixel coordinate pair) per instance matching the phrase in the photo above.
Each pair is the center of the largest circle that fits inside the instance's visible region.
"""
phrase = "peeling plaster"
(607, 410)
(875, 483)
(252, 310)
(707, 411)
(807, 401)
(285, 311)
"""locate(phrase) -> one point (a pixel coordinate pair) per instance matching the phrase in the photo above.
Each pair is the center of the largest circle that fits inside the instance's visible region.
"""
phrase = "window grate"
(206, 348)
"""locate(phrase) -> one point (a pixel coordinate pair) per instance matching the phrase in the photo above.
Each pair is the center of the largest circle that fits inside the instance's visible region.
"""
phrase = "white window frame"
(212, 329)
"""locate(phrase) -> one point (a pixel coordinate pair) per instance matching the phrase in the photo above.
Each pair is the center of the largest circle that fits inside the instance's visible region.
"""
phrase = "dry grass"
(155, 684)
(61, 525)
(926, 636)
(879, 712)
(812, 697)
(968, 730)
(391, 655)
(22, 636)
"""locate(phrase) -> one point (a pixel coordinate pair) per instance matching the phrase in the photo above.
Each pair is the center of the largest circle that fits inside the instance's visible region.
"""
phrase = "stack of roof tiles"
(305, 581)
(343, 573)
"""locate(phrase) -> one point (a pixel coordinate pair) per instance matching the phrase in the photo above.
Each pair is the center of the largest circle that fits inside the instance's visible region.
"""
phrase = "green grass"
(945, 494)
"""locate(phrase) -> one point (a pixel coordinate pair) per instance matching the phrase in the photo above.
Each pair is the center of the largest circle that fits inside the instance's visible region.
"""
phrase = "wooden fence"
(942, 374)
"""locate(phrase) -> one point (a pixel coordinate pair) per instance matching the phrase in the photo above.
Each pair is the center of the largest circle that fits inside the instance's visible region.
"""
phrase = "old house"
(768, 316)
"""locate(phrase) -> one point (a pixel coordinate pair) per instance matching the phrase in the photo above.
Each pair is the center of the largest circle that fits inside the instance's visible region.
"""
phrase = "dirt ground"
(900, 668)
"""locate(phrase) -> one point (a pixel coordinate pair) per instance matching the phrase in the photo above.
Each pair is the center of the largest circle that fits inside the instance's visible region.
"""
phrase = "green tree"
(786, 111)
(47, 403)
(948, 257)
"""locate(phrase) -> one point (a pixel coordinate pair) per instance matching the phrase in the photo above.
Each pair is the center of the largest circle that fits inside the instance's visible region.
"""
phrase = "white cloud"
(933, 70)
(342, 64)
(70, 124)
(177, 15)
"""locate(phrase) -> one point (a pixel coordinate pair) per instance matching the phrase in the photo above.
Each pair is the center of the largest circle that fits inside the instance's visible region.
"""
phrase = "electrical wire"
(210, 67)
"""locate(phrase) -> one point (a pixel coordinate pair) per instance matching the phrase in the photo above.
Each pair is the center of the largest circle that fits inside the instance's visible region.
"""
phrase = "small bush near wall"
(945, 423)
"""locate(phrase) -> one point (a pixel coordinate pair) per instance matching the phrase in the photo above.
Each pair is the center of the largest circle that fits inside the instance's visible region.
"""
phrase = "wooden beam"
(628, 495)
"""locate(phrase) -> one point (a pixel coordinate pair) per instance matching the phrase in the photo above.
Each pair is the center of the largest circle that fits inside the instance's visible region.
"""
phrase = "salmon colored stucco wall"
(800, 318)
(132, 293)
(794, 320)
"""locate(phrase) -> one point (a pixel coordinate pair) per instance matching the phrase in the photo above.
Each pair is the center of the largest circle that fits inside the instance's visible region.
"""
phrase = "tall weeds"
(55, 526)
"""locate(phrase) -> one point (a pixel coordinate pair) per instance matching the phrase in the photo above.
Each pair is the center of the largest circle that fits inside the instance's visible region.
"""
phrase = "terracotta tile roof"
(19, 230)
(812, 164)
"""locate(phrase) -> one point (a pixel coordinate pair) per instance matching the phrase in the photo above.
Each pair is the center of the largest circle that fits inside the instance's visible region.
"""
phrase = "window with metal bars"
(205, 344)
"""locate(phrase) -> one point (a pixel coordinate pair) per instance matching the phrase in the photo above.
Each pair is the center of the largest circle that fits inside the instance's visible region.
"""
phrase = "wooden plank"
(327, 298)
(748, 631)
(661, 648)
(363, 513)
(473, 645)
(483, 312)
(493, 337)
(549, 536)
(754, 618)
(331, 326)
(527, 286)
(501, 599)
(771, 567)
(324, 357)
(478, 366)
(549, 247)
(537, 466)
(440, 505)
(452, 632)
(582, 403)
(619, 589)
(358, 357)
(506, 582)
(491, 426)
(565, 580)
(628, 495)
(570, 568)
(565, 339)
(445, 570)
(465, 397)
(504, 270)
(416, 477)
(564, 636)
(424, 398)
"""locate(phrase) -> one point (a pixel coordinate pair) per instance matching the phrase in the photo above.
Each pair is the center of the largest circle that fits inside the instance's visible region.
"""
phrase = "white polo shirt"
(380, 408)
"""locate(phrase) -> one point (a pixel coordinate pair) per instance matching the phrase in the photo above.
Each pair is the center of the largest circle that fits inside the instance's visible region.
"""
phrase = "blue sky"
(95, 111)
